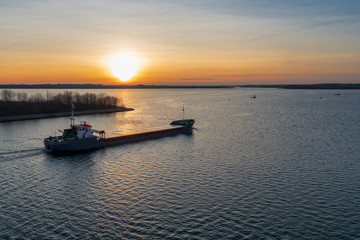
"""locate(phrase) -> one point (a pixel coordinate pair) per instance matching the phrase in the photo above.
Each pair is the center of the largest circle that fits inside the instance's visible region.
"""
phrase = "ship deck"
(132, 135)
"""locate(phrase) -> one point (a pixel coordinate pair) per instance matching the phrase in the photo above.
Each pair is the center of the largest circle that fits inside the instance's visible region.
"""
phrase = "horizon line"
(154, 86)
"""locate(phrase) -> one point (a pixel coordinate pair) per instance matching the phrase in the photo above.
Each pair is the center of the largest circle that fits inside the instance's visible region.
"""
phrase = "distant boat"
(253, 96)
(337, 94)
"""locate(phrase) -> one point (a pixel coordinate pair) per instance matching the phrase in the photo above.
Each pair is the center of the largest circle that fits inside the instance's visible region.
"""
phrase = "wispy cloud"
(197, 79)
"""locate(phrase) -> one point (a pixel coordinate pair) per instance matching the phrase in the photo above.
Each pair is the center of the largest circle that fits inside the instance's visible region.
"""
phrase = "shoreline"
(62, 114)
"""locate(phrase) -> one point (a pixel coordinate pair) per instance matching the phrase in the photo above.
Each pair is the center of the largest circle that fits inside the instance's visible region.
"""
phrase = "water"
(282, 166)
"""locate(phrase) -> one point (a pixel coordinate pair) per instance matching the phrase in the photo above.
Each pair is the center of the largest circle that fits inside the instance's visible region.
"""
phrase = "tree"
(22, 97)
(38, 97)
(7, 95)
(68, 96)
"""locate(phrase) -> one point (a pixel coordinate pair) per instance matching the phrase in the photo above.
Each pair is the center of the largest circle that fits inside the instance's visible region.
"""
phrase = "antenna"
(183, 112)
(72, 114)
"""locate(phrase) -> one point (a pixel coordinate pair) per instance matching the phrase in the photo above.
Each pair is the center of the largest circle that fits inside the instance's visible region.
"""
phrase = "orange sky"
(217, 42)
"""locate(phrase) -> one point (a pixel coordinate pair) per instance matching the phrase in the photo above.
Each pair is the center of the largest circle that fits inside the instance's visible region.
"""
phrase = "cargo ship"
(82, 137)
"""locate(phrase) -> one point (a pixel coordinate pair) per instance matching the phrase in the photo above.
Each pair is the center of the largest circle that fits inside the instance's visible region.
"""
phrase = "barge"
(81, 137)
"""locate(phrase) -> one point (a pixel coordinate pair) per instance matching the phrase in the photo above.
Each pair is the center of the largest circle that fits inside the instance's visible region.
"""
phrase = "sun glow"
(125, 66)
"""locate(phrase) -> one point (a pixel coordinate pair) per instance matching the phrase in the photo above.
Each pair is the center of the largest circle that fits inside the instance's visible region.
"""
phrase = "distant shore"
(62, 114)
(18, 106)
(142, 86)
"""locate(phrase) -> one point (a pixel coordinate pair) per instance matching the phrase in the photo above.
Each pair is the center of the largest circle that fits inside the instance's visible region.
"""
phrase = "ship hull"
(73, 145)
(95, 143)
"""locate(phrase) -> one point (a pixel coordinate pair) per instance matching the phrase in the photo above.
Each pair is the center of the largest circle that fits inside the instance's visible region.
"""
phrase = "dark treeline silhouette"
(13, 104)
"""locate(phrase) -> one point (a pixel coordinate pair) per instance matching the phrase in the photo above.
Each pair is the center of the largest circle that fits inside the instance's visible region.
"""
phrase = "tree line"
(88, 99)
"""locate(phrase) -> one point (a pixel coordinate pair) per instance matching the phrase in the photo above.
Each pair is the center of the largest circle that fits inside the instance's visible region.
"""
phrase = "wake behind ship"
(81, 137)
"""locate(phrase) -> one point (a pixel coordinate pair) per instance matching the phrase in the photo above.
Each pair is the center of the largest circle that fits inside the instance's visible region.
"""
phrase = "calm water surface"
(285, 165)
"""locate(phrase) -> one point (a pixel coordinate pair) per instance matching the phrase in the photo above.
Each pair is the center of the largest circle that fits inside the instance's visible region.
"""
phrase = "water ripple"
(282, 167)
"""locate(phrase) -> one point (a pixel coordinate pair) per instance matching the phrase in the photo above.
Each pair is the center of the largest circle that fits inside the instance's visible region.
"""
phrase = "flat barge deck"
(143, 135)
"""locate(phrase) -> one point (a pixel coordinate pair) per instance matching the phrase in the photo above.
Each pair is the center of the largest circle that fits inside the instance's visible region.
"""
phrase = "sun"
(125, 66)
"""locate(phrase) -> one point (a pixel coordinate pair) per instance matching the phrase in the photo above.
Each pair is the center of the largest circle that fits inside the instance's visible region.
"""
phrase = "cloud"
(303, 26)
(197, 79)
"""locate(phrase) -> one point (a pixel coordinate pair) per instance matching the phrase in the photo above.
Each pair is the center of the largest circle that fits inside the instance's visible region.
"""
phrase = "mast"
(72, 119)
(183, 112)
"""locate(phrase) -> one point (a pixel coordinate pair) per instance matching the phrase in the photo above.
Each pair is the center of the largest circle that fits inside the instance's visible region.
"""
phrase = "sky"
(181, 42)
